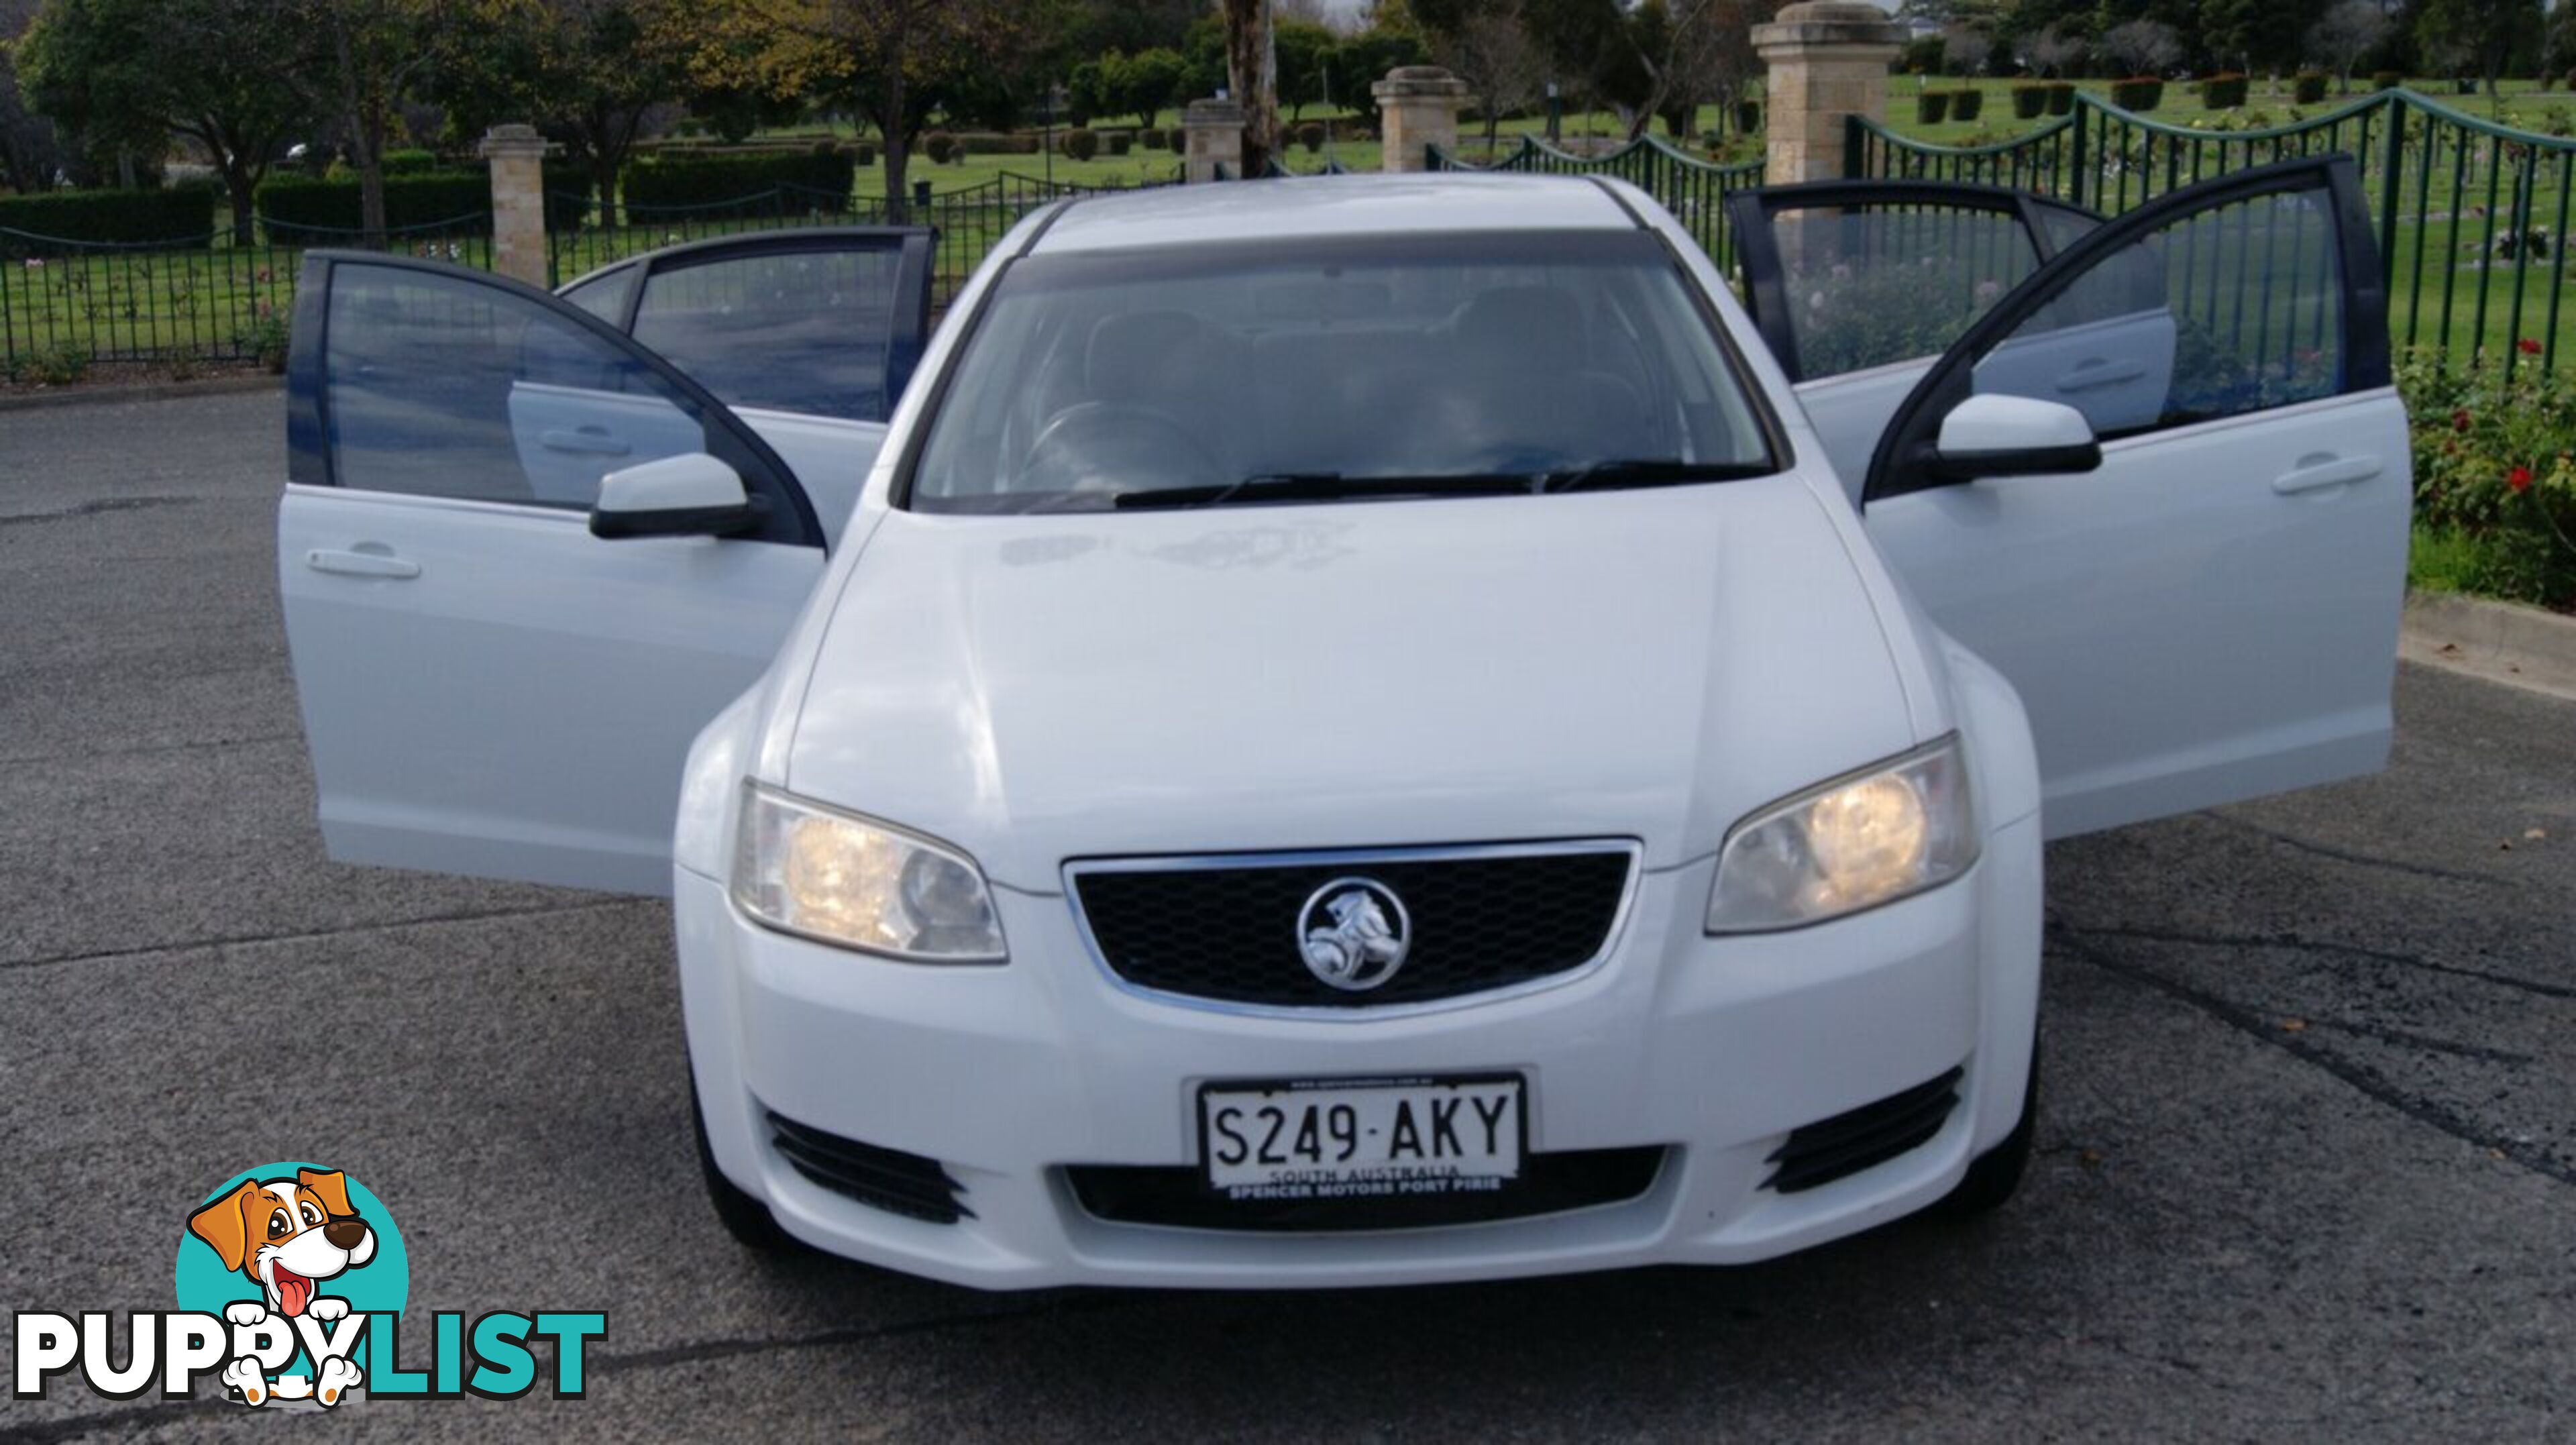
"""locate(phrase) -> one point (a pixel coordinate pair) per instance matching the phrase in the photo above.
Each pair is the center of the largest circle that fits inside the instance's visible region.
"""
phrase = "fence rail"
(67, 303)
(2471, 215)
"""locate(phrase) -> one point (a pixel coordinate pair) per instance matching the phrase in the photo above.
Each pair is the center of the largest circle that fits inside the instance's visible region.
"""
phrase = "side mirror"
(690, 495)
(2012, 436)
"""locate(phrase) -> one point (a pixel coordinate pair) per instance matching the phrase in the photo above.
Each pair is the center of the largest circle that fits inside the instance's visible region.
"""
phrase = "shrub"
(2493, 468)
(264, 340)
(1748, 116)
(940, 146)
(1151, 138)
(409, 162)
(2307, 88)
(56, 363)
(1966, 102)
(817, 179)
(1931, 106)
(2030, 101)
(2386, 80)
(1121, 143)
(2138, 92)
(864, 153)
(1082, 143)
(1179, 139)
(1311, 136)
(181, 217)
(2224, 91)
(461, 199)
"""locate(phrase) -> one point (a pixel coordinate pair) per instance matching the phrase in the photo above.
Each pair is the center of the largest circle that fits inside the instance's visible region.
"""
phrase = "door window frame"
(310, 460)
(1900, 462)
(906, 338)
(1753, 213)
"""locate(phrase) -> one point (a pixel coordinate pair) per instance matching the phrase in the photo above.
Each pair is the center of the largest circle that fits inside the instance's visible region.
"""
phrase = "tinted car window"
(1872, 285)
(803, 331)
(604, 295)
(1091, 376)
(448, 387)
(2229, 309)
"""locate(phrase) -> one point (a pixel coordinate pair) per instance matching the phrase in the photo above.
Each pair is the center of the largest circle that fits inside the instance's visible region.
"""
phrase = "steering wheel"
(1111, 446)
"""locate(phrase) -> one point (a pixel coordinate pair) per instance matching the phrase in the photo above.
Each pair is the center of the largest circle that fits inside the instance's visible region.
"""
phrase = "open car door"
(503, 650)
(2210, 613)
(1858, 286)
(809, 334)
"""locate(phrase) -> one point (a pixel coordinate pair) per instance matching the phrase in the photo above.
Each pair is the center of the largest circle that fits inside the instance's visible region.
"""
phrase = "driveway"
(2307, 1161)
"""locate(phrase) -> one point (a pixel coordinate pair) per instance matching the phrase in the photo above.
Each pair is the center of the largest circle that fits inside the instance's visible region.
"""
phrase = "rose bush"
(2495, 471)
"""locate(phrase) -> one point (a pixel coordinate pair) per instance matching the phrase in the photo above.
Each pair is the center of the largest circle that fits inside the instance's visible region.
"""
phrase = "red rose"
(2519, 479)
(2527, 346)
(2460, 419)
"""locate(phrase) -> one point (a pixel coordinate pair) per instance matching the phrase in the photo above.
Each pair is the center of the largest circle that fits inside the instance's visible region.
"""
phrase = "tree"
(594, 75)
(1251, 79)
(30, 153)
(1484, 45)
(2487, 33)
(2348, 32)
(1148, 82)
(2142, 47)
(355, 62)
(1964, 49)
(134, 72)
(2055, 50)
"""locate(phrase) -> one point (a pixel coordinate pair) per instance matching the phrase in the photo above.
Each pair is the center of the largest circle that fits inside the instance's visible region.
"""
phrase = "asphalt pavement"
(2307, 1163)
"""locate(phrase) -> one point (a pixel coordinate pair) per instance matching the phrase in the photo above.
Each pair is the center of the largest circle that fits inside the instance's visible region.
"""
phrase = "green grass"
(2442, 560)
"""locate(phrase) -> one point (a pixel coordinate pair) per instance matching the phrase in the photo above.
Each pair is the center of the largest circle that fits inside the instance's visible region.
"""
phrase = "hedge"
(2390, 79)
(1931, 106)
(705, 180)
(423, 198)
(2030, 101)
(2225, 91)
(179, 217)
(1964, 104)
(2138, 92)
(2061, 97)
(2307, 88)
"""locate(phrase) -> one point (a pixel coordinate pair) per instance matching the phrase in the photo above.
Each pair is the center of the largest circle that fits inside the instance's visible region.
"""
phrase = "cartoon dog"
(287, 1236)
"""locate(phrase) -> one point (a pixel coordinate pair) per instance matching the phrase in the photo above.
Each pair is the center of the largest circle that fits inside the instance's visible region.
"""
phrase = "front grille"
(887, 1179)
(1178, 1196)
(1229, 932)
(1870, 1135)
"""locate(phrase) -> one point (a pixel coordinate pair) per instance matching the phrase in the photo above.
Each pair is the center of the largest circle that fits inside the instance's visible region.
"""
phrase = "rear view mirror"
(2012, 436)
(690, 495)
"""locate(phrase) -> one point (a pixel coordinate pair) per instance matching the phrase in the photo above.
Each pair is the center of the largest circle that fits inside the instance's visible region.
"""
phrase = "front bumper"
(1713, 1048)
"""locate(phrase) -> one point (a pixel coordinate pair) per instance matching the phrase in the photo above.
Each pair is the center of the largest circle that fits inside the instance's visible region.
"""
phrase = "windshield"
(1327, 369)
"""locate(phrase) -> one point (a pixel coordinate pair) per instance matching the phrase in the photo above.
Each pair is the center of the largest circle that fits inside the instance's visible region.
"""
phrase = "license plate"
(1355, 1139)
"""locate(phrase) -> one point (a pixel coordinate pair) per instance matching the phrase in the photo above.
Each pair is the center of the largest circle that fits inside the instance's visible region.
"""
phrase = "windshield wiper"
(1327, 486)
(1648, 472)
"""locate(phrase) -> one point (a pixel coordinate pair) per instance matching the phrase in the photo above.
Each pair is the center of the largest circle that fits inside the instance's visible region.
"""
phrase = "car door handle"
(2100, 373)
(361, 564)
(589, 441)
(2315, 472)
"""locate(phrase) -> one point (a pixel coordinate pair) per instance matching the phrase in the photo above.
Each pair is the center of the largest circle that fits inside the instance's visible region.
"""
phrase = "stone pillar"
(1418, 109)
(517, 154)
(1828, 62)
(1215, 138)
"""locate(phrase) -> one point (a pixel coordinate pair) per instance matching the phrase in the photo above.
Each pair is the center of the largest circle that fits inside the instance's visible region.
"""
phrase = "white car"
(1357, 730)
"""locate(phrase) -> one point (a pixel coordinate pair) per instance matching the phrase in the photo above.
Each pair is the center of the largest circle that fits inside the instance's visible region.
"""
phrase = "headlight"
(1853, 843)
(843, 879)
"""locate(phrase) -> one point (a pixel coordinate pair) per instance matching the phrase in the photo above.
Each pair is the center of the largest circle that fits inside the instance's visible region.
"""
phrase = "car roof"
(1309, 206)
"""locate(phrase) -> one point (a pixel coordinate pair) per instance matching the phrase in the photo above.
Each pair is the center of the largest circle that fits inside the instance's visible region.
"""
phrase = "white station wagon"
(1356, 730)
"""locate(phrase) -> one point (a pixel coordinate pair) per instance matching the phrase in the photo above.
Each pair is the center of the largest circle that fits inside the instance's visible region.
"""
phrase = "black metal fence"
(67, 304)
(2471, 214)
(1692, 188)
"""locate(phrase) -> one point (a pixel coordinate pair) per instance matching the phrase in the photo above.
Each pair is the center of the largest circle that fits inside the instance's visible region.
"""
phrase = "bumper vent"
(1479, 920)
(1870, 1135)
(1177, 1197)
(887, 1179)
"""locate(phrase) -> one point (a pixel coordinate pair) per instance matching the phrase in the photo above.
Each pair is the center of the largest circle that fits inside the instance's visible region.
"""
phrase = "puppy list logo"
(291, 1282)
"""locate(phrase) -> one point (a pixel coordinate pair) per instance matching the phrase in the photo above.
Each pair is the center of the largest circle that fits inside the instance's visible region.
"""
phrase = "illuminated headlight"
(840, 878)
(1849, 844)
